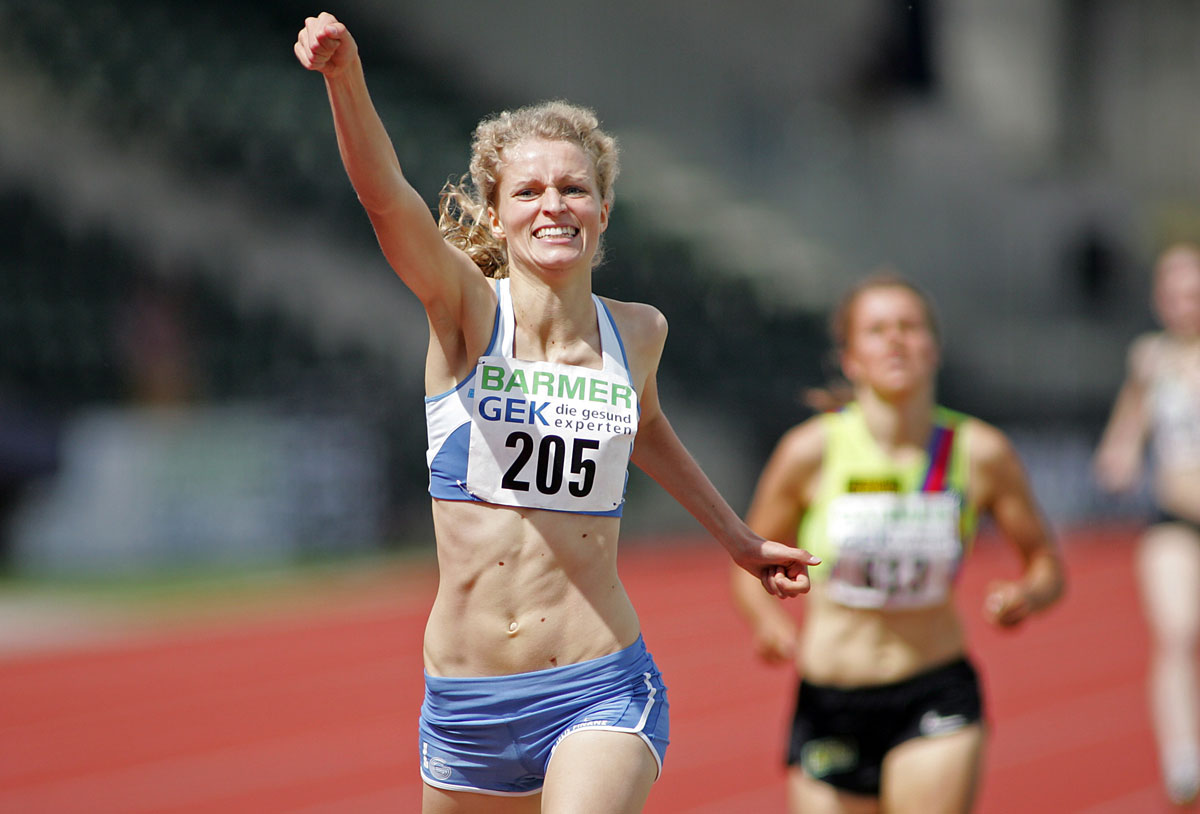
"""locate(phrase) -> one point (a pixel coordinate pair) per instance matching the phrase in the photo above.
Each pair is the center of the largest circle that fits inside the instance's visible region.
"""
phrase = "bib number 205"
(551, 463)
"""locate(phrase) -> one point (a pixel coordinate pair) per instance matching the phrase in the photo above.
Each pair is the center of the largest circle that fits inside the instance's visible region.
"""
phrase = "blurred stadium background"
(205, 359)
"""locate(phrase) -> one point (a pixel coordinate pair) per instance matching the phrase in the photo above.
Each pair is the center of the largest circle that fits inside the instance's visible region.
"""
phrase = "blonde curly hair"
(463, 205)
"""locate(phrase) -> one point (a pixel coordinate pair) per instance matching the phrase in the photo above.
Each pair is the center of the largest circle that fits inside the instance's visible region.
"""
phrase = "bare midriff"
(855, 647)
(1178, 492)
(521, 590)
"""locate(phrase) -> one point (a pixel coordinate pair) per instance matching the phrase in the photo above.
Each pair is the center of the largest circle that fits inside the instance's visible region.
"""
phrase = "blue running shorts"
(496, 735)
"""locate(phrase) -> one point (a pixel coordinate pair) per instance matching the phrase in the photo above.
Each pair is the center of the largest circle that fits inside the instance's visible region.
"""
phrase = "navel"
(513, 627)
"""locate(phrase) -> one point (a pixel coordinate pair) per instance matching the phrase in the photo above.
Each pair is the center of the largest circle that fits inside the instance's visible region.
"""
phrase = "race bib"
(894, 550)
(550, 436)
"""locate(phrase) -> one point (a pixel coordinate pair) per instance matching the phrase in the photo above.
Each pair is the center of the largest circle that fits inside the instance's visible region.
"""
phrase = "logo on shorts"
(827, 756)
(934, 724)
(438, 769)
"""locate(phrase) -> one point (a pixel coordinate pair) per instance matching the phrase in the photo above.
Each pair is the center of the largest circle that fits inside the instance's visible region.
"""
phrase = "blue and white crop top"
(532, 434)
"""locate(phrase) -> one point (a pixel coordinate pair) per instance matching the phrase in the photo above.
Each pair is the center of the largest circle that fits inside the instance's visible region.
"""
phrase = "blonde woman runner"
(1159, 406)
(887, 490)
(540, 693)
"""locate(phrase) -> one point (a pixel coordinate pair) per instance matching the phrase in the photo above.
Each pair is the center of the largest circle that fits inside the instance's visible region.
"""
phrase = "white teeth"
(556, 231)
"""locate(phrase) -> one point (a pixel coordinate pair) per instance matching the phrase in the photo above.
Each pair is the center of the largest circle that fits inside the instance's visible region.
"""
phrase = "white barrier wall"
(214, 486)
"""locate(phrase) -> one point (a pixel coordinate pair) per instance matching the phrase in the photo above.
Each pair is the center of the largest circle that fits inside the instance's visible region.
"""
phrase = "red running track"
(313, 708)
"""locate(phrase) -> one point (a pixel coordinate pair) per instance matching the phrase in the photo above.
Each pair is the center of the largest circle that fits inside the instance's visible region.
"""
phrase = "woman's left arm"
(782, 569)
(1004, 491)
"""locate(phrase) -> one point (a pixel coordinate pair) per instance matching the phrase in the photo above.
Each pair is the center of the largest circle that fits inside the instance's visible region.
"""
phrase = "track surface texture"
(309, 703)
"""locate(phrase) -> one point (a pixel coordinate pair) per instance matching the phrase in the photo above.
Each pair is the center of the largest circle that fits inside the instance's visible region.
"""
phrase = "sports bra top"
(1174, 407)
(536, 434)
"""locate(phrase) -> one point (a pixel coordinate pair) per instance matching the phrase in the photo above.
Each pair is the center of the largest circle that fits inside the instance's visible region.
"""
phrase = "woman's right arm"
(779, 501)
(440, 275)
(1118, 460)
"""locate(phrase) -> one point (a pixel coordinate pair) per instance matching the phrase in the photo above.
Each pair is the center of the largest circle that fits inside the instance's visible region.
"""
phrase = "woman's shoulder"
(804, 444)
(1147, 353)
(986, 445)
(631, 310)
(640, 325)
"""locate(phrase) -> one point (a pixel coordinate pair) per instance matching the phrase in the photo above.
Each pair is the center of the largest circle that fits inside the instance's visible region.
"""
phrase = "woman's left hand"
(782, 569)
(1006, 604)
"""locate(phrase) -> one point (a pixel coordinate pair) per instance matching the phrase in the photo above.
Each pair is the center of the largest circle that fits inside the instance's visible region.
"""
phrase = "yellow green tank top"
(889, 536)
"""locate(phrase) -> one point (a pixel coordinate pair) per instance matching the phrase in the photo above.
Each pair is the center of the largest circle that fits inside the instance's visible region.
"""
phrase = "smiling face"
(1177, 292)
(548, 208)
(890, 345)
